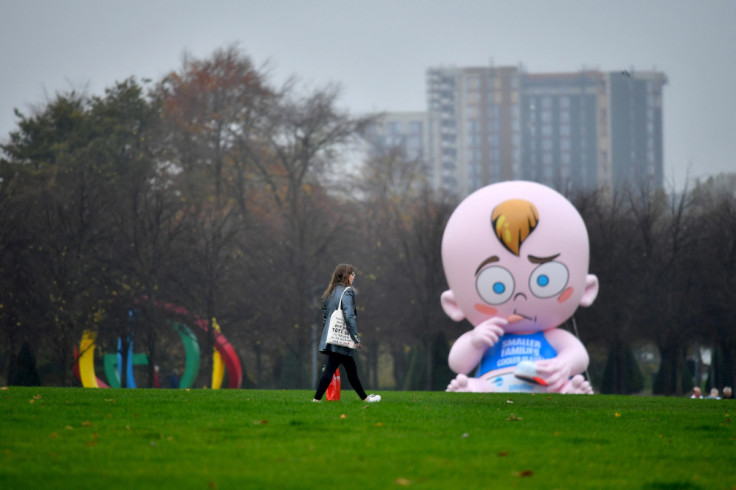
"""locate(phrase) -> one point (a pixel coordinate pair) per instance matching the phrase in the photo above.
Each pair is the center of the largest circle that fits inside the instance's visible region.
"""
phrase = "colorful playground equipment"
(191, 354)
(224, 356)
(84, 368)
(218, 366)
(112, 363)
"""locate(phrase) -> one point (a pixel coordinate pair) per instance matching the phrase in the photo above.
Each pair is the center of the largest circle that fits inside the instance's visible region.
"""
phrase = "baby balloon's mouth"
(517, 317)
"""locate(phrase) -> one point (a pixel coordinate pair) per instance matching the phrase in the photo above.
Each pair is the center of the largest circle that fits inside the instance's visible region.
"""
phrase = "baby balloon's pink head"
(516, 250)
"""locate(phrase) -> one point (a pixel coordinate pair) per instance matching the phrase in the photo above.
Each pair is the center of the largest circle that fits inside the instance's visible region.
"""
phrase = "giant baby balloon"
(515, 256)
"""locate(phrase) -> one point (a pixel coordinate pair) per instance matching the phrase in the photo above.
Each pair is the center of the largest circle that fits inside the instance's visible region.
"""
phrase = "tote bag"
(337, 331)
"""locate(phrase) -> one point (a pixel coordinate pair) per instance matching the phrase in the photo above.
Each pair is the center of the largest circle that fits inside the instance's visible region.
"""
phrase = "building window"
(565, 158)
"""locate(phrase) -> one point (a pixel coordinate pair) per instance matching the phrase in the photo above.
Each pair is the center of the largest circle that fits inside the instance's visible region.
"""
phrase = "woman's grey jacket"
(351, 314)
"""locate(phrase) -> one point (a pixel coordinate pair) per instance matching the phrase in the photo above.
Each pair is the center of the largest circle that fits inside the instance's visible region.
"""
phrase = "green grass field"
(103, 439)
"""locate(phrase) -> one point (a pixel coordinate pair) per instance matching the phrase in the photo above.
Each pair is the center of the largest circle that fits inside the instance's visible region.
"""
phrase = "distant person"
(174, 379)
(714, 395)
(696, 393)
(342, 280)
(727, 393)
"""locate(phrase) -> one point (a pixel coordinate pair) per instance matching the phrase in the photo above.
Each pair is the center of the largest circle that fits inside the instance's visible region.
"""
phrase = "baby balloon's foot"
(473, 385)
(578, 385)
(460, 383)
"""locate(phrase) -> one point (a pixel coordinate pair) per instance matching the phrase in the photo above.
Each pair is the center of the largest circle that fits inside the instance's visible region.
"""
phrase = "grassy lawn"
(102, 439)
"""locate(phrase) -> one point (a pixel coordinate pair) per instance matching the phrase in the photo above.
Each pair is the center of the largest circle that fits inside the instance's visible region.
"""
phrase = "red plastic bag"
(333, 390)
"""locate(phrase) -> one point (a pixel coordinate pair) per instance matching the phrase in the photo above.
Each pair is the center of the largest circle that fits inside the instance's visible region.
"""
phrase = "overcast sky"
(379, 51)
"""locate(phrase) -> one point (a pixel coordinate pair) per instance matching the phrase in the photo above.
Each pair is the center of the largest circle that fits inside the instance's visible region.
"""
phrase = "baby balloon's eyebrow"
(542, 260)
(489, 260)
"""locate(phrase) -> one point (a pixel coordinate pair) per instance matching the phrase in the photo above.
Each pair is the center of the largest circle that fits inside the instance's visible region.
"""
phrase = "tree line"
(666, 264)
(217, 190)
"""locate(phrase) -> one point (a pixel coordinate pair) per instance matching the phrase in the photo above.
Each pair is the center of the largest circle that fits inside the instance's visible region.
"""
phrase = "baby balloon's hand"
(487, 333)
(554, 372)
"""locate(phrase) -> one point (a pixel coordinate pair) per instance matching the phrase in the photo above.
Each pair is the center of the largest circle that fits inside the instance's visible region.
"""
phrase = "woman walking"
(342, 280)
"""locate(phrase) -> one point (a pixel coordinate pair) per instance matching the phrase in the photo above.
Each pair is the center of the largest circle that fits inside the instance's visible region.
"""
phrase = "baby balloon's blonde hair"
(513, 221)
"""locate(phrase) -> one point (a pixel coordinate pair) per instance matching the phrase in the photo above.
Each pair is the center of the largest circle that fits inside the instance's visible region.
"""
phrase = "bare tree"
(211, 107)
(299, 150)
(403, 225)
(713, 288)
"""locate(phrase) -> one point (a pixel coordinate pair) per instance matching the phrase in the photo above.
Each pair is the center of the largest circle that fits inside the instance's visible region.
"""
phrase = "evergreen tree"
(25, 372)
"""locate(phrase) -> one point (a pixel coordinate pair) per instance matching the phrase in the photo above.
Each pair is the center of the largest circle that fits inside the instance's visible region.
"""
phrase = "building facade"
(579, 130)
(405, 131)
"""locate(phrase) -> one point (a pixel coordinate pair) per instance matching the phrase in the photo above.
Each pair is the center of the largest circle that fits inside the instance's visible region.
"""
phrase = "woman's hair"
(340, 276)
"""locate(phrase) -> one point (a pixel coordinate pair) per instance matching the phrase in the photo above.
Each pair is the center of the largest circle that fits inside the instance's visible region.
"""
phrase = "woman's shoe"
(372, 398)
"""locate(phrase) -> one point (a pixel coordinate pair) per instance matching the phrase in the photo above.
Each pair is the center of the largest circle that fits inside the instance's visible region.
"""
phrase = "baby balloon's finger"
(548, 366)
(496, 320)
(496, 329)
(486, 338)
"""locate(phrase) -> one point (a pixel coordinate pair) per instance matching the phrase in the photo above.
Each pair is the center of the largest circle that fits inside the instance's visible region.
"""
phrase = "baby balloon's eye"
(548, 279)
(495, 285)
